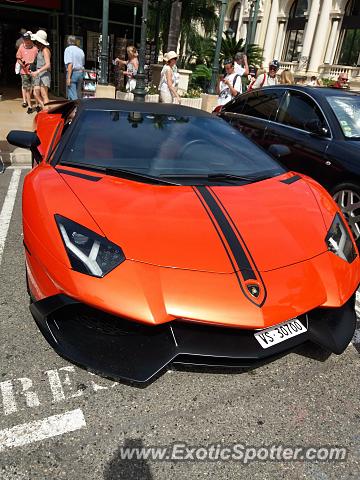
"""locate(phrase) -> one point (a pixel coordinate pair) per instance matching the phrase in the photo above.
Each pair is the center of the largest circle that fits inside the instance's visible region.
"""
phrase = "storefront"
(60, 18)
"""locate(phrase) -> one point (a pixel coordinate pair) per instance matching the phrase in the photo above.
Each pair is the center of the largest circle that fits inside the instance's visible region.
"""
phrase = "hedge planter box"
(152, 98)
(125, 96)
(192, 102)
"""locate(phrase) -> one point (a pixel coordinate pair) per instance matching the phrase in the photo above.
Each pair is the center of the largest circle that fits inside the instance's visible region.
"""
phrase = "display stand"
(89, 84)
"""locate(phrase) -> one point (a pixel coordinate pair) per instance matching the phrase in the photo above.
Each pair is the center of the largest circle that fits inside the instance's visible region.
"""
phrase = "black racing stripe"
(78, 174)
(290, 180)
(216, 228)
(228, 232)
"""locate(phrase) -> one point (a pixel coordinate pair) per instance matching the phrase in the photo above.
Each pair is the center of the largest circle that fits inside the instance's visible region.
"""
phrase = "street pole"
(250, 26)
(254, 22)
(140, 91)
(215, 67)
(104, 45)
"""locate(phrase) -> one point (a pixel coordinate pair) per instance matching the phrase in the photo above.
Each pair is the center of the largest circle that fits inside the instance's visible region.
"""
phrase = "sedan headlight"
(339, 241)
(88, 252)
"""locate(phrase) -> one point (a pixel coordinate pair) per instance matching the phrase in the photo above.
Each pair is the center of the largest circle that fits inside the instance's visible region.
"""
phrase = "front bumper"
(127, 350)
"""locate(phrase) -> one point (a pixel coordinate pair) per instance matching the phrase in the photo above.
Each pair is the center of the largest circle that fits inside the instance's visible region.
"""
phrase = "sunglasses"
(344, 79)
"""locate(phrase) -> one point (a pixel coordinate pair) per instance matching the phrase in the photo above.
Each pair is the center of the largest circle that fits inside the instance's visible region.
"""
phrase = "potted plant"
(152, 94)
(124, 95)
(192, 98)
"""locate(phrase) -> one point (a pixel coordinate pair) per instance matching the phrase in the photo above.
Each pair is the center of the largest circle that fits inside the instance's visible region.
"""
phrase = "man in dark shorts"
(25, 56)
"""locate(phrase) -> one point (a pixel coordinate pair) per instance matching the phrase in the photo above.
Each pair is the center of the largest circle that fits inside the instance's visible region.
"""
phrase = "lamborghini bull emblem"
(254, 290)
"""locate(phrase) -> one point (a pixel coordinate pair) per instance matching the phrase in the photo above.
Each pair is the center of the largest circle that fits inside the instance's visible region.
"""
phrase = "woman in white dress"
(169, 80)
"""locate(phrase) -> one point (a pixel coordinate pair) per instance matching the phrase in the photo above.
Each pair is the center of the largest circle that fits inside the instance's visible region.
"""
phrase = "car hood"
(203, 228)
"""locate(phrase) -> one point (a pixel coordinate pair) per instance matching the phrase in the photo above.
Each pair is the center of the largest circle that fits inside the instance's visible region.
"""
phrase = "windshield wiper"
(217, 176)
(119, 172)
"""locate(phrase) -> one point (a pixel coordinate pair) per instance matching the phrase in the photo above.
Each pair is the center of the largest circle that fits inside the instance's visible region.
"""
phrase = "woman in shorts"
(42, 76)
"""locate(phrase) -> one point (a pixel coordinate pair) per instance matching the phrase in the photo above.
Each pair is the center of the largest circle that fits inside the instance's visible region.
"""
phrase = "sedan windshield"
(347, 111)
(165, 145)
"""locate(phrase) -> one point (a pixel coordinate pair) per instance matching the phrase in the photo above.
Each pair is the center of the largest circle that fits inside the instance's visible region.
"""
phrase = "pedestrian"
(342, 81)
(287, 77)
(169, 79)
(25, 56)
(314, 82)
(74, 59)
(19, 42)
(251, 77)
(41, 75)
(241, 67)
(229, 86)
(132, 67)
(268, 79)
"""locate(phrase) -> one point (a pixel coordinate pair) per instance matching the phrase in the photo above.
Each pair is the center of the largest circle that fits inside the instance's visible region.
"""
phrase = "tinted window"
(261, 105)
(300, 111)
(158, 145)
(237, 105)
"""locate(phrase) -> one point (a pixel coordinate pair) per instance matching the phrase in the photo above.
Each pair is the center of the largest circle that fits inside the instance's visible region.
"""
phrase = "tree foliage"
(192, 15)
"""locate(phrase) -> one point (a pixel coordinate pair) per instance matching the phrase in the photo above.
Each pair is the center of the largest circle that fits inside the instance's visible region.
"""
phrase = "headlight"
(88, 252)
(339, 241)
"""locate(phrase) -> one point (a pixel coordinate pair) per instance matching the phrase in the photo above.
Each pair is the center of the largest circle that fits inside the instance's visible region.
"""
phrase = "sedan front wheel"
(347, 196)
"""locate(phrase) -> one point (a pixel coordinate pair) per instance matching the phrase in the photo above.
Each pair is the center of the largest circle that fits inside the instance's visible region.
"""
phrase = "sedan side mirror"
(278, 150)
(28, 140)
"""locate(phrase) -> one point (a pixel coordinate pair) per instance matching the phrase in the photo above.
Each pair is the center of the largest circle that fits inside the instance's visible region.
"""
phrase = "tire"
(347, 196)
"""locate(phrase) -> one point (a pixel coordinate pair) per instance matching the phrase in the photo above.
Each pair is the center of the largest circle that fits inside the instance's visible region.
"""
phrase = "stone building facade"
(310, 37)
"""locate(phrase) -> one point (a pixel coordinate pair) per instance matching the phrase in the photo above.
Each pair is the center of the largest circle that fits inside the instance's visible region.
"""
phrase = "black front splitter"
(126, 350)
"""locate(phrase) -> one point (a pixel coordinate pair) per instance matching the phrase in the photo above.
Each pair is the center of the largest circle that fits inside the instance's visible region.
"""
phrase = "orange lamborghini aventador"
(157, 233)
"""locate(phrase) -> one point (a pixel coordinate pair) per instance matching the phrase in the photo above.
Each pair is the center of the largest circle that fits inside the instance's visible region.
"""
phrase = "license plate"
(279, 333)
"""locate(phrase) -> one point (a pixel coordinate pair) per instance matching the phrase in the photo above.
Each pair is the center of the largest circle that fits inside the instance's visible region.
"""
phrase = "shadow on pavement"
(119, 468)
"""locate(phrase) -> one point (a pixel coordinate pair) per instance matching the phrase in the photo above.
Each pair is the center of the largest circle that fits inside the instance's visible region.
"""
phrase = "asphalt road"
(60, 422)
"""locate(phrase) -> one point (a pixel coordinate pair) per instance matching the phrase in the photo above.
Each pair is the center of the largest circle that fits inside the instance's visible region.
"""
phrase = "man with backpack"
(229, 86)
(267, 79)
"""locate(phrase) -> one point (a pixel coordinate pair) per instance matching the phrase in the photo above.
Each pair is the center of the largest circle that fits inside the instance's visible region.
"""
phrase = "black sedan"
(315, 131)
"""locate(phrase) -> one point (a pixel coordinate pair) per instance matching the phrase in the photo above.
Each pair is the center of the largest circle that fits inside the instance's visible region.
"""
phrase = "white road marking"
(18, 167)
(42, 429)
(7, 209)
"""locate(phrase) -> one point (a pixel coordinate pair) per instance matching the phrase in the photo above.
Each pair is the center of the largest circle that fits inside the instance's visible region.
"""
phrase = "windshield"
(347, 111)
(165, 145)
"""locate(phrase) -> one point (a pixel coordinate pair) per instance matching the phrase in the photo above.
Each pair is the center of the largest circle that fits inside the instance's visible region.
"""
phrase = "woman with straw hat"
(169, 80)
(41, 75)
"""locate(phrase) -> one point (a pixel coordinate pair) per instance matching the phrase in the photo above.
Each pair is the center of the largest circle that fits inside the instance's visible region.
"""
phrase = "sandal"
(24, 104)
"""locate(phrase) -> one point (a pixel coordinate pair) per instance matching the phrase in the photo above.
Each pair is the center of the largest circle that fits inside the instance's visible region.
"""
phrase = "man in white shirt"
(268, 79)
(228, 86)
(74, 59)
(241, 66)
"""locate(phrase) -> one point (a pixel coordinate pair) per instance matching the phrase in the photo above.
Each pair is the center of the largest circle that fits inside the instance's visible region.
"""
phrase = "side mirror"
(28, 140)
(278, 150)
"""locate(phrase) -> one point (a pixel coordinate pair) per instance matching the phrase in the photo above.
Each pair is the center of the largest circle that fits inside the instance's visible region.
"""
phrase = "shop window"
(295, 31)
(349, 43)
(235, 16)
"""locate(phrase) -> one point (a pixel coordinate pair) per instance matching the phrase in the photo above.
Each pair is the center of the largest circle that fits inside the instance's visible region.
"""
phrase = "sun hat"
(170, 55)
(41, 37)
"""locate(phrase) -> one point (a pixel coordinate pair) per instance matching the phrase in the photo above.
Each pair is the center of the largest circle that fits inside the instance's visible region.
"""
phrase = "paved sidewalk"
(14, 117)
